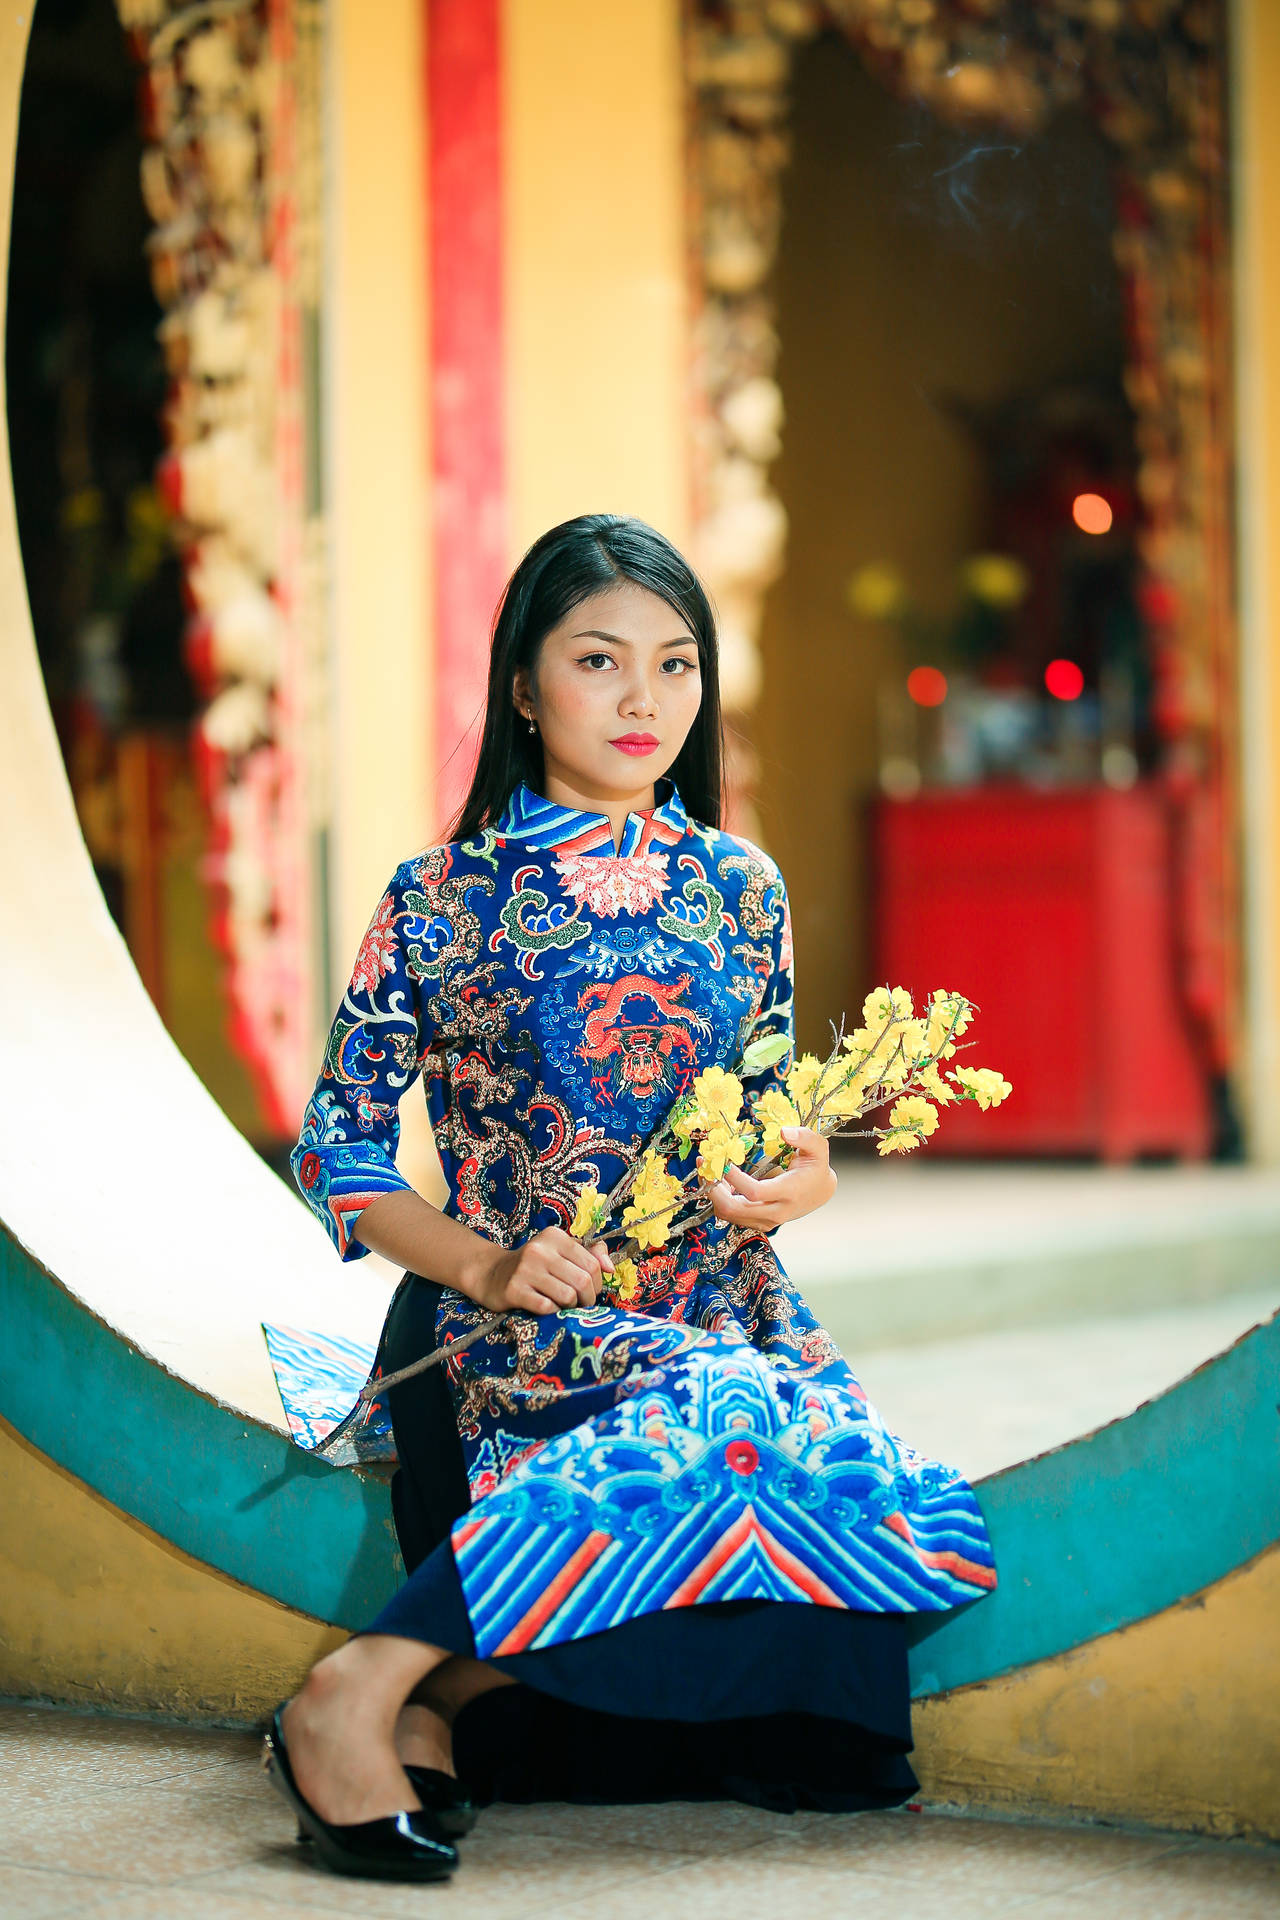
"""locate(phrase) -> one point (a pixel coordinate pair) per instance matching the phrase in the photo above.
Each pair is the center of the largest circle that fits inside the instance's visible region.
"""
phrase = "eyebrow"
(597, 633)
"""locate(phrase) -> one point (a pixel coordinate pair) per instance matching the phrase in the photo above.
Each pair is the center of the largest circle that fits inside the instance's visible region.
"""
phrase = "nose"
(639, 700)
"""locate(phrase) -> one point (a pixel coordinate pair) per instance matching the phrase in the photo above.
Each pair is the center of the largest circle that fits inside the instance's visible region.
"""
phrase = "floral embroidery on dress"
(610, 885)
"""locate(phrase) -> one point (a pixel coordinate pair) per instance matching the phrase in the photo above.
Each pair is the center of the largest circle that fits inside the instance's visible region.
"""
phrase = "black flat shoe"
(446, 1797)
(404, 1846)
(441, 1794)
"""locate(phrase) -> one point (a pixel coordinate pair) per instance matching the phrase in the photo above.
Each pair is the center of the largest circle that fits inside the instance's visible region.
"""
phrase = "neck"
(583, 797)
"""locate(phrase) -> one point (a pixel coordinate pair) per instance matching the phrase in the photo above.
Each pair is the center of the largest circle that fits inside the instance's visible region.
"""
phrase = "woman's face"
(614, 691)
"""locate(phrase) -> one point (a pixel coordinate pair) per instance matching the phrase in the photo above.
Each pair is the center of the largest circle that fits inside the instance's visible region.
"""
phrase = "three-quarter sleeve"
(380, 1037)
(776, 1012)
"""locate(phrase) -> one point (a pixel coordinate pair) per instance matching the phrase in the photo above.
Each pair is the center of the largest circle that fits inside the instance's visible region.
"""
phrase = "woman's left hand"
(807, 1184)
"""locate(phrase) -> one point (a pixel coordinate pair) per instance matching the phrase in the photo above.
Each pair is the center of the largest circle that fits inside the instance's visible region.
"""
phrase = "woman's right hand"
(551, 1271)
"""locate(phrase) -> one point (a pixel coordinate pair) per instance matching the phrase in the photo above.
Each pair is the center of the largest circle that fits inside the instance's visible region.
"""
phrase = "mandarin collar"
(552, 828)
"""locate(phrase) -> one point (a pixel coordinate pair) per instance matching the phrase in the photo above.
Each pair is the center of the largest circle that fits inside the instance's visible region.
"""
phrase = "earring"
(532, 728)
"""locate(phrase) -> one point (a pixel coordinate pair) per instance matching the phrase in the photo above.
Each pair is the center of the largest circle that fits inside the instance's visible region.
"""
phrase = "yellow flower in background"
(655, 1192)
(935, 1086)
(996, 579)
(877, 591)
(625, 1283)
(803, 1078)
(773, 1112)
(719, 1099)
(721, 1145)
(904, 1142)
(886, 1003)
(589, 1218)
(982, 1084)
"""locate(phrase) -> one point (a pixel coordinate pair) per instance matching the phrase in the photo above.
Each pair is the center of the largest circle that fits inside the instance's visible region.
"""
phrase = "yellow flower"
(589, 1218)
(625, 1283)
(934, 1085)
(877, 591)
(996, 579)
(883, 1004)
(868, 1045)
(982, 1084)
(849, 1097)
(655, 1192)
(721, 1144)
(879, 1056)
(774, 1112)
(803, 1078)
(719, 1099)
(949, 1015)
(915, 1113)
(914, 1039)
(911, 1121)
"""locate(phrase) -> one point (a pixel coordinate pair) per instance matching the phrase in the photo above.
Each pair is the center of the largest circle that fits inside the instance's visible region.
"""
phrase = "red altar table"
(1055, 913)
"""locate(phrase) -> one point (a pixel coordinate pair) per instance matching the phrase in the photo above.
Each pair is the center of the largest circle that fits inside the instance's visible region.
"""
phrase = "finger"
(746, 1183)
(527, 1298)
(741, 1212)
(555, 1284)
(584, 1281)
(580, 1257)
(807, 1143)
(601, 1255)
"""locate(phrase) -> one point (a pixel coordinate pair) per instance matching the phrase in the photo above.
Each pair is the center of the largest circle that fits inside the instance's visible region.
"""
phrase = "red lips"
(637, 743)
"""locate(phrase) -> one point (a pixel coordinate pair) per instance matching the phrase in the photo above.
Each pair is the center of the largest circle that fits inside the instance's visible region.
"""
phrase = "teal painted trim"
(1098, 1534)
(1121, 1523)
(219, 1486)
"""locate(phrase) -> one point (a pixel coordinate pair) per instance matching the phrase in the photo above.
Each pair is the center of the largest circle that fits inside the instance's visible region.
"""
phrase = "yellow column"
(1256, 182)
(379, 474)
(378, 470)
(594, 175)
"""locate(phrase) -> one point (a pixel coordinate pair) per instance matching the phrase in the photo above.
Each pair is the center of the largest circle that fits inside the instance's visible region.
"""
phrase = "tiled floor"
(120, 1820)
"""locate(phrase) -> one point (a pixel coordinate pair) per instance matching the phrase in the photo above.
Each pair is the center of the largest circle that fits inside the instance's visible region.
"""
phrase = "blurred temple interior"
(958, 469)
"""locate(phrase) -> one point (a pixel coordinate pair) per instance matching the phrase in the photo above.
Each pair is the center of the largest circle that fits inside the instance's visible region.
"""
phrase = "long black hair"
(565, 567)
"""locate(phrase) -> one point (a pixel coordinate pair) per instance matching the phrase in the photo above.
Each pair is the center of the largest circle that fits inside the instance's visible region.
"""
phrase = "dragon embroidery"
(638, 1057)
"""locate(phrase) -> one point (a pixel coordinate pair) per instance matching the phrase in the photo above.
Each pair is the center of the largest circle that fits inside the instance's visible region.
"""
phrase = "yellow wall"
(889, 304)
(1256, 183)
(96, 1610)
(596, 356)
(1174, 1721)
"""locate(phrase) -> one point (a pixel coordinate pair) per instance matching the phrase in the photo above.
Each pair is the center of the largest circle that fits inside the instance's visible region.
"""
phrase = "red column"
(464, 151)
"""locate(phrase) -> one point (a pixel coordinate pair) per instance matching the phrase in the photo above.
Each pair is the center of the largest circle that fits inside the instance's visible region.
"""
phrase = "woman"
(658, 1550)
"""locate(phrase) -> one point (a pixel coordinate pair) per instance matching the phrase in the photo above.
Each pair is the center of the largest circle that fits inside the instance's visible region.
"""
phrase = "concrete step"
(988, 1400)
(922, 1251)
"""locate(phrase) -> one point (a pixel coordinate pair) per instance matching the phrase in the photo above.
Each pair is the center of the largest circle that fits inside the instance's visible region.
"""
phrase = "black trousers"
(429, 1489)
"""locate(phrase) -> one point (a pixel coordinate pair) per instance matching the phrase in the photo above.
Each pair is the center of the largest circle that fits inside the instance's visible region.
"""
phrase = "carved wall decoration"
(1152, 74)
(232, 179)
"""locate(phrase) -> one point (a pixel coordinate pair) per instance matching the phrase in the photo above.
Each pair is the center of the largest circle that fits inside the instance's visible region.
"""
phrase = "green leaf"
(765, 1052)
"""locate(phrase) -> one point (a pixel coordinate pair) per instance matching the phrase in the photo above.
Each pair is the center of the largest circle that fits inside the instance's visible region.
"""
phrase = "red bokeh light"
(1091, 513)
(927, 686)
(1064, 679)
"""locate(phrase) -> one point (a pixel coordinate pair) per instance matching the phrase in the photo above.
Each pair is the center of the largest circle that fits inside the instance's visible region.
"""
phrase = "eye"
(676, 666)
(596, 661)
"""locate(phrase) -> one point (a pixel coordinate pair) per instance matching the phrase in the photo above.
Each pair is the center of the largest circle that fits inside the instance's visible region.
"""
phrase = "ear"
(522, 692)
